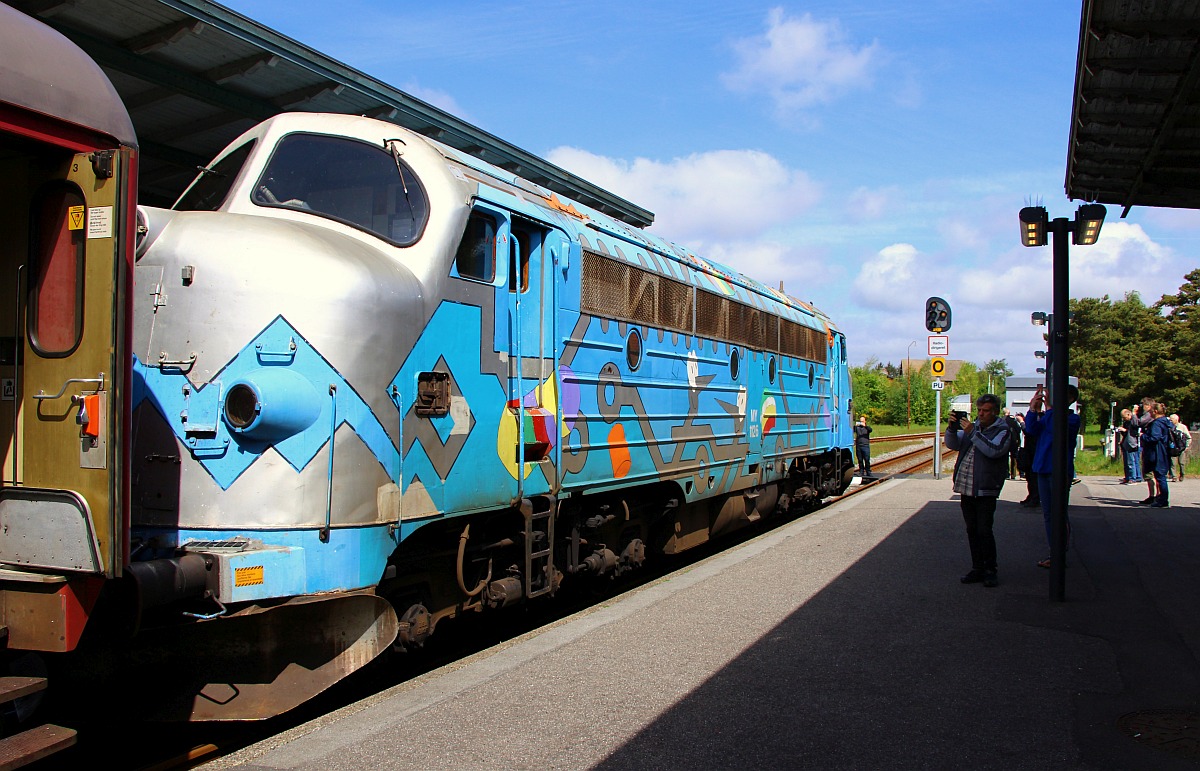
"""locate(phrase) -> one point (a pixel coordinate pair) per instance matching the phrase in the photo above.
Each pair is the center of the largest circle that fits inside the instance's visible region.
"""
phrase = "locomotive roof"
(195, 75)
(68, 84)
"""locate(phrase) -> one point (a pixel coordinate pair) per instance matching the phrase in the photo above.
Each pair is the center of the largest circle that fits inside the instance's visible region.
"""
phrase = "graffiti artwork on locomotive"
(378, 383)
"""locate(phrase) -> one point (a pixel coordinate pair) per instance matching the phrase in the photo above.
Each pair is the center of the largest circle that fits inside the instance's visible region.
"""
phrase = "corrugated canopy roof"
(1136, 116)
(194, 75)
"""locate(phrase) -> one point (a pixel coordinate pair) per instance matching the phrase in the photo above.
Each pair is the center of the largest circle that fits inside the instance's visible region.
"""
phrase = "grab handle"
(99, 381)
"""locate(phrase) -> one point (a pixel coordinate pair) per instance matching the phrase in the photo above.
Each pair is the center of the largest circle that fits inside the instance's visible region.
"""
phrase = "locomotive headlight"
(242, 406)
(271, 404)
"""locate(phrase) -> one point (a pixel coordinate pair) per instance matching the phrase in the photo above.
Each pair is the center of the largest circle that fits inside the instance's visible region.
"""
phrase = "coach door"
(62, 329)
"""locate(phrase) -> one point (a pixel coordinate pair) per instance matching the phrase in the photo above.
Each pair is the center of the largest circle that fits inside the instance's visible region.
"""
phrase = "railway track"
(909, 460)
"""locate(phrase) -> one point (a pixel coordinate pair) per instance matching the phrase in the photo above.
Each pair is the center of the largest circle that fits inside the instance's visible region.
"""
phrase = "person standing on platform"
(979, 474)
(1154, 447)
(1143, 416)
(1178, 462)
(1040, 427)
(1025, 458)
(1014, 447)
(862, 446)
(1128, 439)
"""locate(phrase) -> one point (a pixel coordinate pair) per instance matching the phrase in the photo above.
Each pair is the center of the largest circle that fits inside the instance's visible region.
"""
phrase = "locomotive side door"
(63, 245)
(532, 382)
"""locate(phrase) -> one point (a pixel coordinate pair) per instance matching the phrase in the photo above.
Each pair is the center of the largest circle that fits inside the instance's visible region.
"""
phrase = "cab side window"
(212, 187)
(476, 258)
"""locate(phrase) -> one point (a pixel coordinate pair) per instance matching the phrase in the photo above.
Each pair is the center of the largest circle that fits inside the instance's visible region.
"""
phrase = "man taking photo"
(979, 474)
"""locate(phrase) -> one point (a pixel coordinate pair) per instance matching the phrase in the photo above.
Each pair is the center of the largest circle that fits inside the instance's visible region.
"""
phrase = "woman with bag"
(1154, 447)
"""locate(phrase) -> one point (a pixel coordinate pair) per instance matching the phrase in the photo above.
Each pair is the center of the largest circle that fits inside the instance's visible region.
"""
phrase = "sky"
(868, 155)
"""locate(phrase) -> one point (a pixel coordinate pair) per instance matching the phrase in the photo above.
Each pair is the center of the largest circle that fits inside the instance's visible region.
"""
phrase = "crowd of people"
(1143, 439)
(999, 446)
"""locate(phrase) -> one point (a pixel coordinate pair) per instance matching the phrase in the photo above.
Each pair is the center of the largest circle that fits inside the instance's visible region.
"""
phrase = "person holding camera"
(1154, 440)
(979, 474)
(862, 447)
(1129, 436)
(1039, 427)
(1143, 416)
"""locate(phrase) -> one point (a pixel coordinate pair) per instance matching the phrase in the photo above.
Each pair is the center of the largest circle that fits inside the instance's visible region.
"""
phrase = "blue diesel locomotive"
(378, 383)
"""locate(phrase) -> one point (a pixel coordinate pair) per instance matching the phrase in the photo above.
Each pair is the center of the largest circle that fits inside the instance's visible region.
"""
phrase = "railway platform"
(842, 640)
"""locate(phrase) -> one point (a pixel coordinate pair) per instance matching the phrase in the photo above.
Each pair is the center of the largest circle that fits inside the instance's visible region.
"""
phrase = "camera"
(955, 416)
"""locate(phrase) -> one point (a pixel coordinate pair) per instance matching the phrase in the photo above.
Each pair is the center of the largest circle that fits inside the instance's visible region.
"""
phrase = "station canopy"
(194, 75)
(1135, 122)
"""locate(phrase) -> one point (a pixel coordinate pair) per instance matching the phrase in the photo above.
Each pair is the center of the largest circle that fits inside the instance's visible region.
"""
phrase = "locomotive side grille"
(604, 284)
(643, 296)
(735, 323)
(789, 338)
(802, 342)
(710, 316)
(617, 290)
(770, 331)
(674, 305)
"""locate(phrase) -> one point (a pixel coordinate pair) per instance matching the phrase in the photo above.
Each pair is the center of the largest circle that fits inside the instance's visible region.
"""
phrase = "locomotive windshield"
(357, 183)
(209, 191)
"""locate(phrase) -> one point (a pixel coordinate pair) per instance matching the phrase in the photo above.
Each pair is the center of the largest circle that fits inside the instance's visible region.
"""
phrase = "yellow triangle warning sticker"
(75, 218)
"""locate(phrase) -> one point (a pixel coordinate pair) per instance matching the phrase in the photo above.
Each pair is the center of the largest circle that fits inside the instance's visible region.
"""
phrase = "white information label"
(9, 387)
(939, 345)
(938, 385)
(99, 222)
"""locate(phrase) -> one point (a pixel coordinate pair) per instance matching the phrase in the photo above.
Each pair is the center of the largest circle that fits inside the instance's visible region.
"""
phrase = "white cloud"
(771, 262)
(717, 195)
(891, 279)
(960, 235)
(867, 204)
(800, 62)
(1173, 219)
(437, 98)
(1124, 259)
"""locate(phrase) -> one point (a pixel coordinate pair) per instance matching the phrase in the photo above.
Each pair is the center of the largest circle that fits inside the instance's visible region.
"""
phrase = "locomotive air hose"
(462, 550)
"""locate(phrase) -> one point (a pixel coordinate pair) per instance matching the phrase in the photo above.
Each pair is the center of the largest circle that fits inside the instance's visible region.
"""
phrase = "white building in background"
(1019, 389)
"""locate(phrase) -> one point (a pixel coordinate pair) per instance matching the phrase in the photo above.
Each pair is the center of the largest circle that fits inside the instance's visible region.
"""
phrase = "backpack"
(1176, 444)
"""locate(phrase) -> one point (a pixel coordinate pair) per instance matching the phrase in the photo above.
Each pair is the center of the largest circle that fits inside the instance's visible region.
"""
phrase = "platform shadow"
(895, 664)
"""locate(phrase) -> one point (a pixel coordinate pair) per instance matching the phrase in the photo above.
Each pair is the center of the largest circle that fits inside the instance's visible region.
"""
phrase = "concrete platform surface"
(843, 640)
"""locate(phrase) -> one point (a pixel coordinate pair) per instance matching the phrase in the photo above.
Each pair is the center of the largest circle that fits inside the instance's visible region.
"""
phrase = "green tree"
(1120, 351)
(1181, 311)
(921, 403)
(870, 386)
(997, 370)
(968, 380)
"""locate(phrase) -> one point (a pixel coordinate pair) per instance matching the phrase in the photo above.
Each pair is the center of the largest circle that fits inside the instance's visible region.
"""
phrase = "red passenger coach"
(68, 173)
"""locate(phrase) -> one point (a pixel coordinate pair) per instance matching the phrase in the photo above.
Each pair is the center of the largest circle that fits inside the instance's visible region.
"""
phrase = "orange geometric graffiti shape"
(618, 452)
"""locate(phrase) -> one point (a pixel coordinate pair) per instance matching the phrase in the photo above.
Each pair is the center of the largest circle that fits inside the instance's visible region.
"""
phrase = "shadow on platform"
(895, 664)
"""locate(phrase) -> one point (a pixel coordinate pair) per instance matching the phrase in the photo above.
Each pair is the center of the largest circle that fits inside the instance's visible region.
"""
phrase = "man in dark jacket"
(1014, 444)
(862, 447)
(979, 474)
